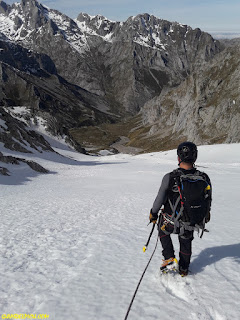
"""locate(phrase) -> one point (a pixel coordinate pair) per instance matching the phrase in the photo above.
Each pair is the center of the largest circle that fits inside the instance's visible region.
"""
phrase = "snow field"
(71, 241)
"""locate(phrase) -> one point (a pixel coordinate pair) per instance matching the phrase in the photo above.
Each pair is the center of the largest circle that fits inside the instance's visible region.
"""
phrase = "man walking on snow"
(186, 196)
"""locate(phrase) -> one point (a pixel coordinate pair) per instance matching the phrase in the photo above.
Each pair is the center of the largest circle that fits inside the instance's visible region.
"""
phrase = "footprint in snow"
(178, 287)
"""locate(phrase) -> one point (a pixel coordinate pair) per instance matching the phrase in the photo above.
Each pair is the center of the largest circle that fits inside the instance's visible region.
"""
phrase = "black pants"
(185, 242)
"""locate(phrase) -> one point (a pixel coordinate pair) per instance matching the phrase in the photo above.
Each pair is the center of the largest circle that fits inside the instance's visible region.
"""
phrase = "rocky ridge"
(128, 63)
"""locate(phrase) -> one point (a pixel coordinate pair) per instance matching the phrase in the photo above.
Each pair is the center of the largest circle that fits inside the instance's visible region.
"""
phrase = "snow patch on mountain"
(37, 124)
(6, 26)
(96, 26)
(151, 41)
(73, 34)
(14, 25)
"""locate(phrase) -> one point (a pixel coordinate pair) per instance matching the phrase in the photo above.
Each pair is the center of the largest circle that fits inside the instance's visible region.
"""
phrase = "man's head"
(187, 152)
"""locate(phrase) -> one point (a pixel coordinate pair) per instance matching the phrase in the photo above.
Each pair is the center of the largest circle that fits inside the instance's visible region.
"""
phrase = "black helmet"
(187, 152)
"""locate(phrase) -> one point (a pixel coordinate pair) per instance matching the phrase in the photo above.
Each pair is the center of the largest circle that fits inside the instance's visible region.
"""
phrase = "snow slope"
(71, 241)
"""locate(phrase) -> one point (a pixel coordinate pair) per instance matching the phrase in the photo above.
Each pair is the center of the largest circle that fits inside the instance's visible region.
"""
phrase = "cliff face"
(30, 79)
(205, 108)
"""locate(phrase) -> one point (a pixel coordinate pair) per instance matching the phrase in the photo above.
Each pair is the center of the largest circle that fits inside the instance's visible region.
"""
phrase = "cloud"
(224, 35)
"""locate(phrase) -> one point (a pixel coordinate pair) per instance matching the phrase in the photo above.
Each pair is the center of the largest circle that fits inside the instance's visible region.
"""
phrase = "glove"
(208, 217)
(153, 217)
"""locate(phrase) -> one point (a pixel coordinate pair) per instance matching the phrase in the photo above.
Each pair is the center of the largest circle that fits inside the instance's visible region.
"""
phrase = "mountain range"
(142, 84)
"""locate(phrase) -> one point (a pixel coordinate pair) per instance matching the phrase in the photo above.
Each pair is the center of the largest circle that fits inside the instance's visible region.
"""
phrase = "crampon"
(169, 265)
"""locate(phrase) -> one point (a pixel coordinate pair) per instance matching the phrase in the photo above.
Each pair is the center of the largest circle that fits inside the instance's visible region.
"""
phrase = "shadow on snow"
(21, 174)
(212, 255)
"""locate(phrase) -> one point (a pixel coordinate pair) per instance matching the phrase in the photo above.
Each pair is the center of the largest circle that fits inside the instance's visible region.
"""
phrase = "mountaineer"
(186, 196)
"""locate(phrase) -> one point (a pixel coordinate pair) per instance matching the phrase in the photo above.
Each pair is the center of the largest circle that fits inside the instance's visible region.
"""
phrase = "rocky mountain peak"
(30, 3)
(97, 24)
(21, 20)
(34, 13)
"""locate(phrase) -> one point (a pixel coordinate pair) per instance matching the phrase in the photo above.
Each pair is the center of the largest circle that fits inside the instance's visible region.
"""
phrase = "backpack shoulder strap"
(174, 183)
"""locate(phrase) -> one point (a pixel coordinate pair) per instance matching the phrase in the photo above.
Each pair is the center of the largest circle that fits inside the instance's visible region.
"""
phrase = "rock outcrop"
(16, 136)
(205, 108)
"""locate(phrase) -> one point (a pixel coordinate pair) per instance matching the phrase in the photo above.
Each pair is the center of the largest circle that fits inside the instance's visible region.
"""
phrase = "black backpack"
(193, 202)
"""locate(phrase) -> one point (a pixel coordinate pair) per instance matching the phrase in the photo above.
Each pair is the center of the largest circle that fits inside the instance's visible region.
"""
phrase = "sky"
(213, 16)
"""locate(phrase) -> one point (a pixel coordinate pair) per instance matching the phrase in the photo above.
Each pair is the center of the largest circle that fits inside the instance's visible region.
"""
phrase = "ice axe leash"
(134, 295)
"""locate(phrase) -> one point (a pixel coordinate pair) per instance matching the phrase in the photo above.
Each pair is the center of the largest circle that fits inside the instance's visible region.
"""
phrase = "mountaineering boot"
(169, 264)
(183, 272)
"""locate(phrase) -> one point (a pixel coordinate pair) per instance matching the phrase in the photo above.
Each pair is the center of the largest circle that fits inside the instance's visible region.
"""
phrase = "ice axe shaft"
(146, 245)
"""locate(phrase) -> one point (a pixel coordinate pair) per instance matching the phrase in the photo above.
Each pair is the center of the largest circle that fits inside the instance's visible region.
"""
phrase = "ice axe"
(146, 245)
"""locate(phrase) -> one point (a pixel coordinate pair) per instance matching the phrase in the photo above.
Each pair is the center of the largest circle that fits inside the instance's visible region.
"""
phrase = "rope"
(134, 295)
